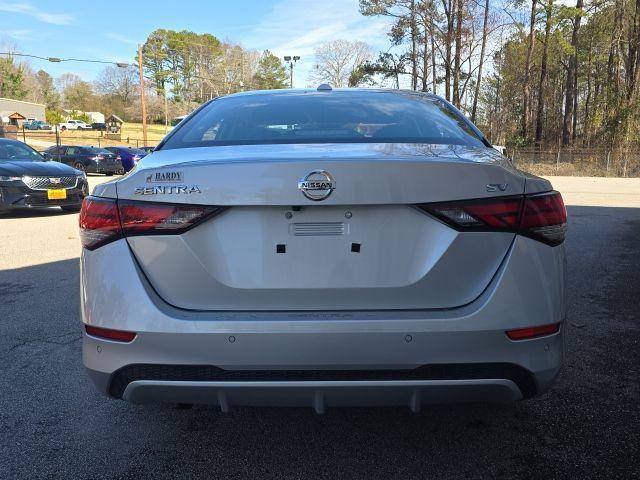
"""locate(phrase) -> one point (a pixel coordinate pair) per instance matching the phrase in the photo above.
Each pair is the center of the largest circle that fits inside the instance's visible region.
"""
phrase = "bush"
(53, 117)
(83, 117)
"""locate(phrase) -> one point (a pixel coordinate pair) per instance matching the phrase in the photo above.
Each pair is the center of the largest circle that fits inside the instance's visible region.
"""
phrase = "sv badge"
(495, 187)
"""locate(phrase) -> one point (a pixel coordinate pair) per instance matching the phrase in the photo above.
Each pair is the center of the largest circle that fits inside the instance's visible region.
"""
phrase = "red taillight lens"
(110, 334)
(542, 217)
(533, 332)
(484, 214)
(139, 218)
(99, 222)
(103, 220)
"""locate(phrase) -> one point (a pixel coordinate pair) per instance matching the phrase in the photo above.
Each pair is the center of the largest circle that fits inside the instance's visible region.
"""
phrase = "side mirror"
(47, 156)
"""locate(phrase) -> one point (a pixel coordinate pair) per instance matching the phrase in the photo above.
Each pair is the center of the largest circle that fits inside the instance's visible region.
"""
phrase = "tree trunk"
(482, 49)
(572, 77)
(433, 65)
(587, 102)
(448, 11)
(414, 47)
(543, 71)
(457, 55)
(634, 58)
(526, 90)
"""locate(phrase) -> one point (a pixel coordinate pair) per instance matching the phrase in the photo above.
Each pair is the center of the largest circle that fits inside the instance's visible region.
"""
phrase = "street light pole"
(142, 99)
(292, 61)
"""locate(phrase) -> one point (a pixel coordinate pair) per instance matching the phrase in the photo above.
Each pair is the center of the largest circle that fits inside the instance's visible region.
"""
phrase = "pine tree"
(271, 73)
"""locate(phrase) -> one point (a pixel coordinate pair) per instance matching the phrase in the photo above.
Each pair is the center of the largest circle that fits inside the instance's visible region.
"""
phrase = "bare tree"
(548, 9)
(481, 61)
(337, 60)
(120, 83)
(571, 91)
(526, 88)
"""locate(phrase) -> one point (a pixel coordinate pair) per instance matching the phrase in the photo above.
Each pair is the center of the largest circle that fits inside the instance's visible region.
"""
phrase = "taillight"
(143, 218)
(99, 222)
(542, 217)
(484, 214)
(103, 220)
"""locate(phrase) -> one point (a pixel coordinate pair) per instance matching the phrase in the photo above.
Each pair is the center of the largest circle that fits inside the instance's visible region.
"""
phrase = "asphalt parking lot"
(54, 424)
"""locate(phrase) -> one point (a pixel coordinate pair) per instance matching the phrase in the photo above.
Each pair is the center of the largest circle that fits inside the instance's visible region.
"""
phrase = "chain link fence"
(573, 161)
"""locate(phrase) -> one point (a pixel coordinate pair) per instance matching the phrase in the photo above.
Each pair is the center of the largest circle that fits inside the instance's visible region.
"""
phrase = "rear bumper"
(103, 168)
(318, 389)
(322, 395)
(322, 359)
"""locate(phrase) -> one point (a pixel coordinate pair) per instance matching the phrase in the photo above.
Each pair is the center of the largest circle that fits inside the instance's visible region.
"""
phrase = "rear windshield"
(332, 117)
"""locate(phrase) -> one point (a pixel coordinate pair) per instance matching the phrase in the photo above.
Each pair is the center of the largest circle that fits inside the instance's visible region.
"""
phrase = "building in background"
(16, 112)
(93, 117)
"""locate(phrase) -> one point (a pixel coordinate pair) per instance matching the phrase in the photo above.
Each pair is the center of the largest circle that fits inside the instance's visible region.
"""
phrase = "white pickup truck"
(74, 125)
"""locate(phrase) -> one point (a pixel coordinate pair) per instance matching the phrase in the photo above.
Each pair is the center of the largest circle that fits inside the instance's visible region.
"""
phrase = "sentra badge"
(167, 190)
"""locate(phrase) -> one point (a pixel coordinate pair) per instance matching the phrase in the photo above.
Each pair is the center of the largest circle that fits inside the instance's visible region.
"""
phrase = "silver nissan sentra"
(323, 247)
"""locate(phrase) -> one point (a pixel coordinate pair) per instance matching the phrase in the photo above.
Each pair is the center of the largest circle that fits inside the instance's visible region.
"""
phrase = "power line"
(59, 60)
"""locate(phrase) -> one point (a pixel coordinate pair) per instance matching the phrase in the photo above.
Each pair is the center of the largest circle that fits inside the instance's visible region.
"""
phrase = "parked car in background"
(129, 156)
(27, 180)
(36, 125)
(100, 126)
(86, 159)
(74, 125)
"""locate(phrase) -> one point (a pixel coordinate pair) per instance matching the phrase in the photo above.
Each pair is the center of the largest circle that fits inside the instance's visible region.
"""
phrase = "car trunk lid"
(366, 246)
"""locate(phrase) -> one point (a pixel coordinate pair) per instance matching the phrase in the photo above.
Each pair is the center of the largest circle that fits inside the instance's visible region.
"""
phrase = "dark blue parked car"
(128, 155)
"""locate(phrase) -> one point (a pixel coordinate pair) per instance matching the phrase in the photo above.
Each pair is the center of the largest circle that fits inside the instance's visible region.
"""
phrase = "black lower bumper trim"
(520, 376)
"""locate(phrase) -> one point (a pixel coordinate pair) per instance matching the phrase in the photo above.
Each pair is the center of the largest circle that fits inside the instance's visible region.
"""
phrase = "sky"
(111, 31)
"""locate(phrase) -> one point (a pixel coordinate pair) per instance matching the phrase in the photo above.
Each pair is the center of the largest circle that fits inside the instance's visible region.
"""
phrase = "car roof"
(327, 91)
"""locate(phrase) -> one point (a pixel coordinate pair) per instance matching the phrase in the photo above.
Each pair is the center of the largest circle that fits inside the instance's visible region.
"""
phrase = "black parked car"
(100, 126)
(86, 159)
(28, 180)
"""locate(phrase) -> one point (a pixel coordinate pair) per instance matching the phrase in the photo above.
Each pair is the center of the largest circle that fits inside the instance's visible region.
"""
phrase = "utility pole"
(166, 111)
(292, 61)
(142, 100)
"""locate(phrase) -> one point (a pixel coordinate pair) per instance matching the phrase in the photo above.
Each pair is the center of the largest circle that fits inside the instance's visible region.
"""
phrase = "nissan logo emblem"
(317, 185)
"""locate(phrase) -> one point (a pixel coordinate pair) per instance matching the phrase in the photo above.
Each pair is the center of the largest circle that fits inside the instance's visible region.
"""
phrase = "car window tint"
(310, 117)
